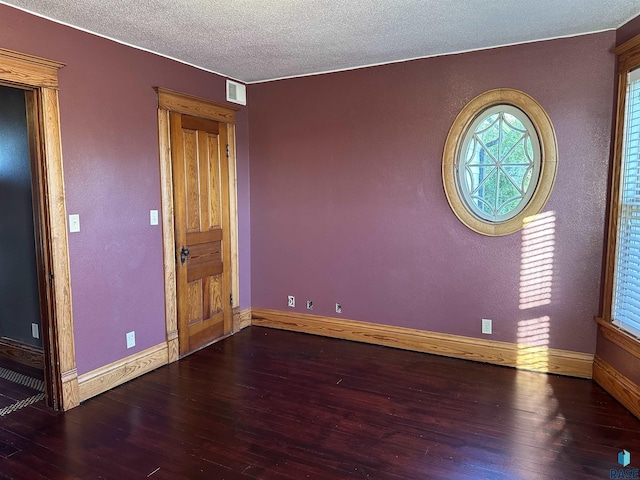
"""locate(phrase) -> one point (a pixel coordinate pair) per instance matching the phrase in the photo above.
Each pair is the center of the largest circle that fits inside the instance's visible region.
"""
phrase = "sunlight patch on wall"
(536, 265)
(533, 344)
(536, 288)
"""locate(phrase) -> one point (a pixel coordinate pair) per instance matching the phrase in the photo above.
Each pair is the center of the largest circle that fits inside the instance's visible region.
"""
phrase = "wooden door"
(202, 234)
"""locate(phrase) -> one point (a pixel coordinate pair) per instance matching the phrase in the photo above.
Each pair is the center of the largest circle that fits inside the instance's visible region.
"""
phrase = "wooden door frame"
(171, 101)
(50, 221)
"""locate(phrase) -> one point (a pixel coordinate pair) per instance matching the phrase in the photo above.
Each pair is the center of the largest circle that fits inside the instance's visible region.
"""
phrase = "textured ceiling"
(256, 40)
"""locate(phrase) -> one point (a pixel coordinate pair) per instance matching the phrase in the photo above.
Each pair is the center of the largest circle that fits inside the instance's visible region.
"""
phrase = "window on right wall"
(622, 277)
(626, 289)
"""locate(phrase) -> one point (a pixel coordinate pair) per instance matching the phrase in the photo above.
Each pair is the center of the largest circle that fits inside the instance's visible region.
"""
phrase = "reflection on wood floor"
(270, 404)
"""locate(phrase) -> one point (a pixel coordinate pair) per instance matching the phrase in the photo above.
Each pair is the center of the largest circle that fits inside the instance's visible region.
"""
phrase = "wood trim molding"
(171, 101)
(628, 59)
(614, 200)
(241, 319)
(196, 106)
(41, 75)
(233, 217)
(630, 44)
(30, 59)
(24, 69)
(166, 187)
(59, 244)
(548, 360)
(70, 393)
(22, 353)
(548, 165)
(245, 318)
(110, 376)
(618, 336)
(619, 386)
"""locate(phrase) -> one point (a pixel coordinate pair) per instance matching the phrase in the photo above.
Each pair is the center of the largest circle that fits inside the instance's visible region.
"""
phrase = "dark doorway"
(20, 310)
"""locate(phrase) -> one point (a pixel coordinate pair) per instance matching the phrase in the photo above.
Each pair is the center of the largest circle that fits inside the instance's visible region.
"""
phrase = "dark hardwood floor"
(278, 405)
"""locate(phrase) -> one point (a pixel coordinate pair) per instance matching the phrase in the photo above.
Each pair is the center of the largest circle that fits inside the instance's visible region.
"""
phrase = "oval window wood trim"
(548, 167)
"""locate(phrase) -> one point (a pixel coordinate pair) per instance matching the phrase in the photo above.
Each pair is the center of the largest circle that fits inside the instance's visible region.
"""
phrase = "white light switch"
(74, 223)
(153, 217)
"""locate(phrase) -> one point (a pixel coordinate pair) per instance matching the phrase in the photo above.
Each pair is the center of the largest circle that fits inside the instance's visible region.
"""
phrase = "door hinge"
(231, 299)
(228, 150)
(51, 279)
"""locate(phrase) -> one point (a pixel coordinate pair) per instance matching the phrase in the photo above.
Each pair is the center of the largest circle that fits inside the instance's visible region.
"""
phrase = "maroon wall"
(110, 153)
(628, 30)
(619, 358)
(348, 204)
(348, 200)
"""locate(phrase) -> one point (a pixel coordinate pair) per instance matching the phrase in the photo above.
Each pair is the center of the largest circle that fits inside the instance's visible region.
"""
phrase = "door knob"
(184, 253)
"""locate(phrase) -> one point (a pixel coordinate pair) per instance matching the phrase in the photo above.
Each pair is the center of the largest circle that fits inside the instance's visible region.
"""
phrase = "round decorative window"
(499, 162)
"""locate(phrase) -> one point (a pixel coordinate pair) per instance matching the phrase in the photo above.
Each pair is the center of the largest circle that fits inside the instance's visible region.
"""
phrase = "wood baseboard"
(22, 353)
(174, 349)
(245, 318)
(241, 319)
(525, 357)
(105, 378)
(71, 398)
(619, 386)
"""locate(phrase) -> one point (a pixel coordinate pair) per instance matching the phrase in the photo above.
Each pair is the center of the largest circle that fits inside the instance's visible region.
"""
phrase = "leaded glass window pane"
(499, 163)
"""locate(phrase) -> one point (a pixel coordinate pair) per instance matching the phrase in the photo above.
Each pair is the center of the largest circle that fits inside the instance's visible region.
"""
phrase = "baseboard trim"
(22, 353)
(69, 381)
(105, 378)
(241, 319)
(245, 318)
(618, 385)
(525, 357)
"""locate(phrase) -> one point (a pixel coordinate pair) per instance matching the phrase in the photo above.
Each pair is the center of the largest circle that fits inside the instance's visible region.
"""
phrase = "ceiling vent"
(236, 92)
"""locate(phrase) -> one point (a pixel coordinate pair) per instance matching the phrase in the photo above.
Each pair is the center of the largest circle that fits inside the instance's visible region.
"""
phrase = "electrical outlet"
(131, 339)
(338, 308)
(35, 330)
(487, 328)
(309, 305)
(153, 217)
(291, 301)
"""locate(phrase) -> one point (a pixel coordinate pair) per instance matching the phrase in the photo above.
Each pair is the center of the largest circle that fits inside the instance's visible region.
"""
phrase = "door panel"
(200, 174)
(205, 260)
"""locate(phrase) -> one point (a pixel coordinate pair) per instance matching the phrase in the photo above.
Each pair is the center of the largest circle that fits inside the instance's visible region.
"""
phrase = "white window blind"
(626, 300)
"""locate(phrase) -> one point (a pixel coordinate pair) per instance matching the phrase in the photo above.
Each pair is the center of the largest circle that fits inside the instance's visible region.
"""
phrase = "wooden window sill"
(618, 336)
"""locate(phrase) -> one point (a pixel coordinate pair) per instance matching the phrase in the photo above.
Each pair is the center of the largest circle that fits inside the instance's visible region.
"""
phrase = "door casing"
(40, 77)
(170, 101)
